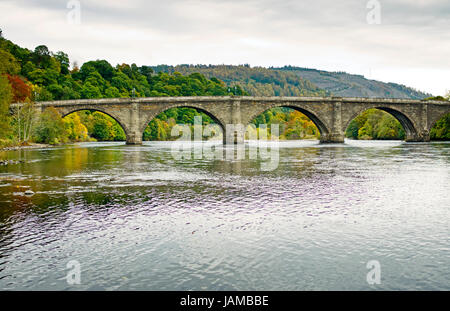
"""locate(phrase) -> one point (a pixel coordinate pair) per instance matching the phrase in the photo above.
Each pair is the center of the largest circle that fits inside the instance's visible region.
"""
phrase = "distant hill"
(296, 81)
(257, 81)
(349, 85)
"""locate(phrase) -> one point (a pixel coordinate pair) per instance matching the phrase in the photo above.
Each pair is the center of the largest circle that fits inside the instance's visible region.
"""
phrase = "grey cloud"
(413, 33)
(265, 14)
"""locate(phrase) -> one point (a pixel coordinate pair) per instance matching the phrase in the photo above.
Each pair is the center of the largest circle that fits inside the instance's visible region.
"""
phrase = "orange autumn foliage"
(21, 90)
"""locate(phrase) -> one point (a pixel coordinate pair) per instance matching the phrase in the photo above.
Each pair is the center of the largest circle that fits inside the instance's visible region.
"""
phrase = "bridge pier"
(418, 137)
(332, 138)
(133, 133)
(334, 133)
(134, 138)
(234, 134)
(234, 131)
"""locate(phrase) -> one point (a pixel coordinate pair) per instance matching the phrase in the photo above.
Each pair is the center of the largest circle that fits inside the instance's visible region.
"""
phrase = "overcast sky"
(410, 46)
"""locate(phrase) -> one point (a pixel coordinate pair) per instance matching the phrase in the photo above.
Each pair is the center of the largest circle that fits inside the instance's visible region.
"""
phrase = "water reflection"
(136, 218)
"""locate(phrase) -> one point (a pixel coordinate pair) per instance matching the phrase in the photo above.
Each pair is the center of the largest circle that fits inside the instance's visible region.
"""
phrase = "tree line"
(257, 81)
(28, 76)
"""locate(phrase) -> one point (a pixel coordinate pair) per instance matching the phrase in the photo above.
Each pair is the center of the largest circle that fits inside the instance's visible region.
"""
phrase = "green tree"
(76, 130)
(51, 128)
(64, 61)
(102, 127)
(90, 91)
(41, 56)
(105, 128)
(375, 124)
(8, 63)
(441, 130)
(118, 133)
(112, 92)
(6, 96)
(352, 130)
(101, 66)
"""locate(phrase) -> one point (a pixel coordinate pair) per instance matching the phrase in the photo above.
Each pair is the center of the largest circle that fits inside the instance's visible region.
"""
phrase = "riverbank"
(28, 146)
(10, 162)
(23, 147)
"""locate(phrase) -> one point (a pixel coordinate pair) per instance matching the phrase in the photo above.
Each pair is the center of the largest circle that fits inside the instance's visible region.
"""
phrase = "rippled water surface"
(136, 218)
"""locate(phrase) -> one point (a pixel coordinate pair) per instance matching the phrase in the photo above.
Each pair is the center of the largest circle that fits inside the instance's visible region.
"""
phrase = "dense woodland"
(257, 81)
(30, 76)
(351, 85)
(297, 81)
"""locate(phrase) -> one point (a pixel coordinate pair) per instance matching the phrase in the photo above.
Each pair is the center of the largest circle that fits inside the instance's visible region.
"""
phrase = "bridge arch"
(407, 122)
(212, 115)
(308, 111)
(123, 125)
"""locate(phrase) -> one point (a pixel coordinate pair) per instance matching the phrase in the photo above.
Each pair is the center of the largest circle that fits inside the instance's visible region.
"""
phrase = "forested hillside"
(295, 81)
(29, 76)
(257, 81)
(349, 85)
(40, 75)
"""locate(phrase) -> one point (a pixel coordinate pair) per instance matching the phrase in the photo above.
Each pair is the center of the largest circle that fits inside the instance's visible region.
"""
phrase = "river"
(136, 218)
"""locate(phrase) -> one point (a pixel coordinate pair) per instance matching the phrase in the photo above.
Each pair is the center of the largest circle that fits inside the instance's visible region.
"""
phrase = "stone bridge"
(331, 115)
